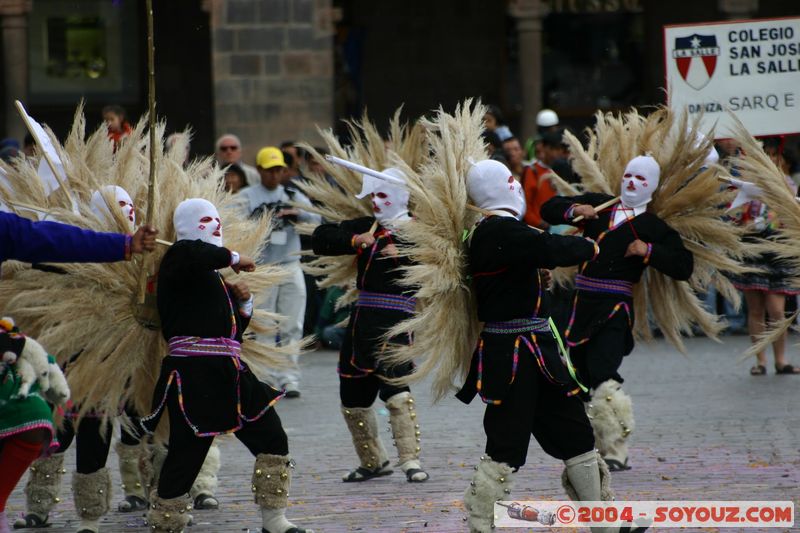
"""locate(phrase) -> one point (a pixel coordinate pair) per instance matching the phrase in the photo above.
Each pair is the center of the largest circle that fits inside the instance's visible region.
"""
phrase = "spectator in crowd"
(494, 147)
(312, 164)
(546, 120)
(765, 291)
(297, 155)
(229, 152)
(493, 121)
(117, 122)
(330, 329)
(235, 179)
(288, 298)
(9, 149)
(28, 145)
(512, 151)
(555, 154)
(291, 176)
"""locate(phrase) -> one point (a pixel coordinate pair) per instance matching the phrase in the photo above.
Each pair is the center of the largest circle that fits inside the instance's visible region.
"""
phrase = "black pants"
(361, 392)
(92, 443)
(599, 358)
(186, 451)
(534, 406)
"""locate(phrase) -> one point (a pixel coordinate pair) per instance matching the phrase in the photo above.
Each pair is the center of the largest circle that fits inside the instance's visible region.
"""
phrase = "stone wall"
(272, 64)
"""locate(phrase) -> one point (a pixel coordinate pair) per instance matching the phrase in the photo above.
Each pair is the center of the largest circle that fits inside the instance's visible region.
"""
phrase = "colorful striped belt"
(518, 325)
(184, 346)
(606, 286)
(392, 302)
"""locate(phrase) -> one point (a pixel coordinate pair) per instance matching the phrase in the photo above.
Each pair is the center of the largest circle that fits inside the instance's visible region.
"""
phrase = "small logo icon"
(696, 58)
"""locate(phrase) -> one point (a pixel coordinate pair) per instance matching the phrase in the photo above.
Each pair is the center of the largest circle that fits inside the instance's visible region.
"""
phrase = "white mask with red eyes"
(389, 202)
(198, 219)
(113, 195)
(639, 181)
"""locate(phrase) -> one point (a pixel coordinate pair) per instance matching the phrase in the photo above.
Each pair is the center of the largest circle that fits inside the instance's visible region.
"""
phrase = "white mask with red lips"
(100, 206)
(389, 201)
(639, 182)
(198, 219)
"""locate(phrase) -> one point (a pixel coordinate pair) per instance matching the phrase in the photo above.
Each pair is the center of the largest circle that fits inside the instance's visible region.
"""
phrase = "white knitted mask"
(389, 201)
(639, 181)
(113, 195)
(492, 186)
(198, 219)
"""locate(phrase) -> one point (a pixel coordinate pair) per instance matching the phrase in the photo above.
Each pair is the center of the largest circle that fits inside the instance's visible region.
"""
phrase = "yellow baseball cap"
(270, 157)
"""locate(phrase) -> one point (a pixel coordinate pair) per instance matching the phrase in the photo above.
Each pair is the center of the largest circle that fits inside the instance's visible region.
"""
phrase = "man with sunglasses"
(229, 152)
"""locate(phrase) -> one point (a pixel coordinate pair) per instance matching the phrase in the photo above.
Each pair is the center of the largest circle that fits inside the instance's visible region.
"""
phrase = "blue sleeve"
(52, 242)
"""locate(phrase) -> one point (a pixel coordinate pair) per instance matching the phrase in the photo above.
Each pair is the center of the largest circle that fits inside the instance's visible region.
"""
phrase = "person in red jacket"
(118, 127)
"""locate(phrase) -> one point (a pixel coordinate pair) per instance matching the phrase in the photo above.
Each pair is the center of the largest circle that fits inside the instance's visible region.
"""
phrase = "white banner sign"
(751, 68)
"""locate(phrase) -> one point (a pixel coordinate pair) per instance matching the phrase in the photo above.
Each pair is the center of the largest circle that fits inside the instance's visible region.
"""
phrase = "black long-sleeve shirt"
(504, 258)
(191, 294)
(376, 272)
(668, 254)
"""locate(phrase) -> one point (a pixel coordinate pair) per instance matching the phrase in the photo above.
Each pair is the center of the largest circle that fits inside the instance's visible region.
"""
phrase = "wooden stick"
(372, 229)
(600, 207)
(162, 242)
(24, 116)
(151, 98)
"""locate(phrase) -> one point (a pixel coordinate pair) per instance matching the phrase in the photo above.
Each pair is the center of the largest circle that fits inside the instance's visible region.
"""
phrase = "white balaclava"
(492, 186)
(101, 207)
(198, 219)
(639, 181)
(389, 201)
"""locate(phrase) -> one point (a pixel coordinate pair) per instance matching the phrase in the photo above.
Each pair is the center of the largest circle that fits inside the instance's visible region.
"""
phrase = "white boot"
(92, 495)
(611, 414)
(586, 478)
(272, 477)
(363, 425)
(42, 491)
(129, 459)
(406, 433)
(491, 482)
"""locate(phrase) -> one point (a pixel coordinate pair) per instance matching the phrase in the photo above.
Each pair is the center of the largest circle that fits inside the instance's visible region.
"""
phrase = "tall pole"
(528, 14)
(151, 101)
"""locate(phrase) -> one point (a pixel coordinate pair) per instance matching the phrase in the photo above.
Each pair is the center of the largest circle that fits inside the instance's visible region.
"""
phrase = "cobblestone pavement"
(705, 430)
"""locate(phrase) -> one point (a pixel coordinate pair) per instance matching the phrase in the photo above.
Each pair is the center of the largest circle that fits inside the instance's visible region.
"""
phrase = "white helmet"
(546, 118)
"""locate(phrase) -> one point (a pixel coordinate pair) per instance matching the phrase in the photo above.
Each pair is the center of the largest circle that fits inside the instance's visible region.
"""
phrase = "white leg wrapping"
(168, 515)
(586, 478)
(363, 426)
(611, 414)
(92, 494)
(491, 482)
(206, 482)
(129, 457)
(406, 433)
(44, 485)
